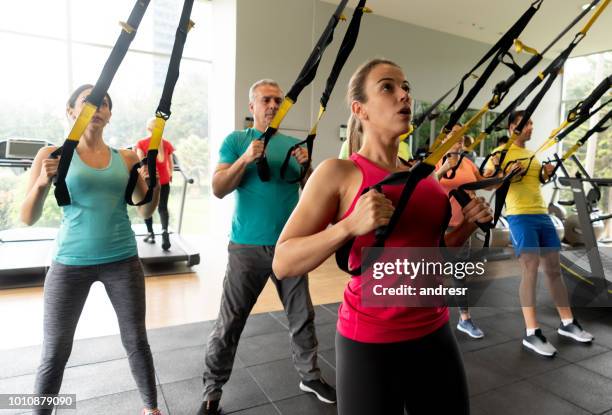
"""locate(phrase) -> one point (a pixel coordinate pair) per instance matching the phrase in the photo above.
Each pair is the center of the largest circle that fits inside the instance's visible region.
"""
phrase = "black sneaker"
(574, 331)
(209, 408)
(150, 238)
(165, 241)
(538, 343)
(323, 391)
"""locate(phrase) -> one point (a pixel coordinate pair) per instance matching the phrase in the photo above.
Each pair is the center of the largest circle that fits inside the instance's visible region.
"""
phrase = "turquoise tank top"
(95, 228)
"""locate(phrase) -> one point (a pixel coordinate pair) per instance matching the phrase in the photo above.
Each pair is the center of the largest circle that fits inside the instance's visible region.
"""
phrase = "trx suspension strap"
(162, 114)
(429, 113)
(305, 77)
(580, 113)
(537, 58)
(581, 121)
(423, 168)
(94, 100)
(498, 52)
(597, 128)
(346, 47)
(550, 74)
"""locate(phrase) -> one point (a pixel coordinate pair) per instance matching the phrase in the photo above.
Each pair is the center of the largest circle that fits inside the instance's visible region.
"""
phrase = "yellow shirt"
(525, 196)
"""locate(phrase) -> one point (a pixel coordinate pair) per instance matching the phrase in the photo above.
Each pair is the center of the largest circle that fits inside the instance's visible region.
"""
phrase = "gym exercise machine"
(25, 253)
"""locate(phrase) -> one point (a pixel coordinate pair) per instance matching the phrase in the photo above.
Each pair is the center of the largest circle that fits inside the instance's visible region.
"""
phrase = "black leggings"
(423, 376)
(162, 208)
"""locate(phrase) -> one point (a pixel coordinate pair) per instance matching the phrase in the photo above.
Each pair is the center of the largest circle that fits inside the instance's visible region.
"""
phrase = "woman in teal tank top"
(95, 243)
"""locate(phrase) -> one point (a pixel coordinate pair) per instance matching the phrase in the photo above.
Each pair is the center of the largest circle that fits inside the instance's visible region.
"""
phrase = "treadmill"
(587, 269)
(25, 253)
(154, 259)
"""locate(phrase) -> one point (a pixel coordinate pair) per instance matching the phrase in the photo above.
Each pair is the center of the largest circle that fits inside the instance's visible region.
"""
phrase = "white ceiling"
(486, 20)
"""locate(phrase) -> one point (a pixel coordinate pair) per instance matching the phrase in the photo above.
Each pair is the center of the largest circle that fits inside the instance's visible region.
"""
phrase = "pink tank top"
(419, 226)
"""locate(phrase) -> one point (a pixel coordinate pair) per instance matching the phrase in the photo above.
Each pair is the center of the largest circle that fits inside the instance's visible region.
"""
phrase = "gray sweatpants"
(66, 289)
(248, 269)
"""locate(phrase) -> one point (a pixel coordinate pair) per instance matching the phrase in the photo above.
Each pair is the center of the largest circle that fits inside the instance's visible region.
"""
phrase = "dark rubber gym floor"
(503, 378)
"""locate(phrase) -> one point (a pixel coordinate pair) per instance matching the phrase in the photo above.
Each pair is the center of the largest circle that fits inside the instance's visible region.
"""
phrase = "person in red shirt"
(388, 359)
(165, 167)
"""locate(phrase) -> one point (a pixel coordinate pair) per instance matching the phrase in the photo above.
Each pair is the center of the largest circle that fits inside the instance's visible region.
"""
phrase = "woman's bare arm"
(42, 171)
(307, 240)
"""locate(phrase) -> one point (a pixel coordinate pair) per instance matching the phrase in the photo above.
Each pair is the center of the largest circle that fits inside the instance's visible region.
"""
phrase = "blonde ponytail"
(354, 132)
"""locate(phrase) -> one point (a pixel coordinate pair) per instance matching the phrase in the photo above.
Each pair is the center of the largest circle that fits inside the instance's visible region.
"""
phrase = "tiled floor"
(503, 378)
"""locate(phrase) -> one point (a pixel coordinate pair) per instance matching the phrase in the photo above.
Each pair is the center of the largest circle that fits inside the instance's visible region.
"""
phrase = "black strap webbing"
(163, 109)
(97, 95)
(581, 120)
(304, 78)
(504, 85)
(502, 45)
(346, 47)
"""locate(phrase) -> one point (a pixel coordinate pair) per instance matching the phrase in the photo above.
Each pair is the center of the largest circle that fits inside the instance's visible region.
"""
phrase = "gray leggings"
(66, 289)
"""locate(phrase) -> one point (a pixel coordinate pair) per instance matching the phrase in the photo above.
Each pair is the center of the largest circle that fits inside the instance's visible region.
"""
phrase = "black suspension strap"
(549, 74)
(94, 100)
(599, 127)
(346, 47)
(533, 61)
(305, 77)
(579, 114)
(162, 114)
(452, 172)
(498, 52)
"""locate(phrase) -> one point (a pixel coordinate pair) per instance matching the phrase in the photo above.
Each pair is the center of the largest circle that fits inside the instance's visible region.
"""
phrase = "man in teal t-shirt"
(262, 208)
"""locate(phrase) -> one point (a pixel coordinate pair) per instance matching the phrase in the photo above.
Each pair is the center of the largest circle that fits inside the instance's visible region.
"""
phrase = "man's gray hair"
(260, 83)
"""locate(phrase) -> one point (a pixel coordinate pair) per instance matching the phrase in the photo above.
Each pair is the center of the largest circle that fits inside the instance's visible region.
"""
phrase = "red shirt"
(419, 226)
(163, 166)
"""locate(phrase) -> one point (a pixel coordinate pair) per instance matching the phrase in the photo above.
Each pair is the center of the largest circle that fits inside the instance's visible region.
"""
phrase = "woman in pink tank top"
(388, 359)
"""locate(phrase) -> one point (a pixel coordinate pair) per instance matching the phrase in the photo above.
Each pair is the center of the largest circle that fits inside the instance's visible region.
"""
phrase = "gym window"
(64, 44)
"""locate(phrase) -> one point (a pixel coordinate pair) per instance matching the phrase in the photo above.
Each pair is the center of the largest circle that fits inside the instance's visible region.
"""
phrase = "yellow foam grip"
(551, 138)
(282, 111)
(407, 133)
(571, 151)
(313, 130)
(367, 10)
(520, 46)
(82, 121)
(439, 152)
(477, 141)
(156, 134)
(438, 140)
(595, 16)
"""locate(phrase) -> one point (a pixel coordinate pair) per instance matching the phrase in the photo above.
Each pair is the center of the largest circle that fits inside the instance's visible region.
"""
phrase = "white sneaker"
(575, 331)
(538, 343)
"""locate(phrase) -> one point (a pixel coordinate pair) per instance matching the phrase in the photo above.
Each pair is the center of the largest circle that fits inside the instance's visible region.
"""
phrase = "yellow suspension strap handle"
(94, 100)
(305, 77)
(162, 114)
(346, 47)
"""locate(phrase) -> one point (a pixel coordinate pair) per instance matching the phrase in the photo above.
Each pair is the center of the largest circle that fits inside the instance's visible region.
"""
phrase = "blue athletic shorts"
(529, 233)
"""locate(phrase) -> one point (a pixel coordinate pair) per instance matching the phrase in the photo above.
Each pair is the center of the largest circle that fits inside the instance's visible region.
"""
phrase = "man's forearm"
(227, 180)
